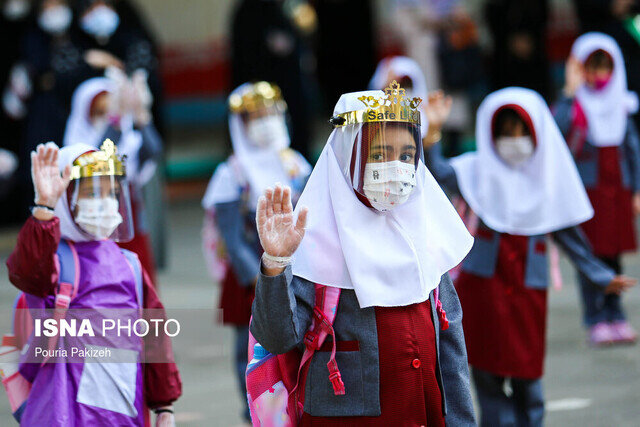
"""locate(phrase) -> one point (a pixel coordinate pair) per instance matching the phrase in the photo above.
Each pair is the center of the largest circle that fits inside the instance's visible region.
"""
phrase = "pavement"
(583, 386)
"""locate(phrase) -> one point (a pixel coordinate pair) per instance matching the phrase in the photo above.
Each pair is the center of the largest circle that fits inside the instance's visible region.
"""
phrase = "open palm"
(279, 235)
(48, 183)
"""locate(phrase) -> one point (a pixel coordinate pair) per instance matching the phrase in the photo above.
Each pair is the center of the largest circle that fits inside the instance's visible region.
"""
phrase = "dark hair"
(405, 82)
(505, 120)
(599, 59)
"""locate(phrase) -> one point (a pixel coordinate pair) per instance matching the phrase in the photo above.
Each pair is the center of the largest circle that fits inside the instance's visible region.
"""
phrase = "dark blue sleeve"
(562, 114)
(632, 148)
(441, 169)
(576, 246)
(453, 360)
(151, 148)
(244, 259)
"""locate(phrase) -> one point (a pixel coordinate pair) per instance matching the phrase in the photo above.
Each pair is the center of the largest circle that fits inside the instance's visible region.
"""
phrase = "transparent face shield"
(266, 126)
(101, 207)
(381, 162)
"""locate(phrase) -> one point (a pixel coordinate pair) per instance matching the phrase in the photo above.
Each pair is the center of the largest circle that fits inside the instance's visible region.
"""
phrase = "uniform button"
(416, 363)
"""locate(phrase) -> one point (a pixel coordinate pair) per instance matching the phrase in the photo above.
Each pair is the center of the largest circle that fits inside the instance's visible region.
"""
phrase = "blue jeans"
(596, 305)
(240, 356)
(521, 404)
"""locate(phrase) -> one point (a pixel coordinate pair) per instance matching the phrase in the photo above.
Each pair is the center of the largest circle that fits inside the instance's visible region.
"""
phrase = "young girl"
(522, 184)
(380, 229)
(117, 109)
(85, 201)
(261, 157)
(594, 115)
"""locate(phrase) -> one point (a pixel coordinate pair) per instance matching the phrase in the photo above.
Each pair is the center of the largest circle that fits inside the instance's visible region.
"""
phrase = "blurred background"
(196, 51)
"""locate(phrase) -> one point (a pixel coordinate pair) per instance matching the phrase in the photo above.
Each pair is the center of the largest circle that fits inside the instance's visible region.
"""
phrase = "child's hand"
(437, 111)
(48, 183)
(279, 236)
(573, 77)
(636, 203)
(620, 284)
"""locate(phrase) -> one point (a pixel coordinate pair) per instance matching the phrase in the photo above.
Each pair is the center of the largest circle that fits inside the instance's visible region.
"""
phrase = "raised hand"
(279, 235)
(619, 284)
(48, 183)
(437, 110)
(573, 77)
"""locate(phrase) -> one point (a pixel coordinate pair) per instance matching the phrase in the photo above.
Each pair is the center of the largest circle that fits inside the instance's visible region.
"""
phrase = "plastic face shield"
(101, 207)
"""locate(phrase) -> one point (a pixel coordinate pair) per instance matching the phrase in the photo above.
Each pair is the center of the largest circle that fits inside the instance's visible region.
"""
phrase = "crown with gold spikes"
(104, 162)
(255, 96)
(391, 107)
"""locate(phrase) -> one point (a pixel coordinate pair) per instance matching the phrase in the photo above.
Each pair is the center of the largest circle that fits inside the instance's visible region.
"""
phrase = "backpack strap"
(68, 267)
(136, 268)
(442, 315)
(324, 314)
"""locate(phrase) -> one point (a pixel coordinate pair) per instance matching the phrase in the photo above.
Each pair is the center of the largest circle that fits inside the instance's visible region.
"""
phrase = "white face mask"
(98, 217)
(102, 21)
(16, 9)
(388, 184)
(268, 131)
(514, 150)
(56, 19)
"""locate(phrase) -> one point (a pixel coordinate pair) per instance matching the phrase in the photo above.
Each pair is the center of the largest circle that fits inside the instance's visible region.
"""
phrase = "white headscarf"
(542, 195)
(401, 66)
(607, 110)
(68, 228)
(80, 130)
(394, 258)
(259, 167)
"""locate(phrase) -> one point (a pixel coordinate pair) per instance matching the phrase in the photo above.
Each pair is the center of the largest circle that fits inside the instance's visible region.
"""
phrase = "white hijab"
(259, 167)
(80, 130)
(403, 66)
(543, 195)
(390, 259)
(607, 110)
(68, 228)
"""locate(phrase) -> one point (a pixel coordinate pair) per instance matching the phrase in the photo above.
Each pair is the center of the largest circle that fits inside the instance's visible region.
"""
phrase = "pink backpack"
(275, 382)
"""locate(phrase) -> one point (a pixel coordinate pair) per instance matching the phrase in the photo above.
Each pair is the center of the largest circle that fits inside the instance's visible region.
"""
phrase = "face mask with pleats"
(388, 184)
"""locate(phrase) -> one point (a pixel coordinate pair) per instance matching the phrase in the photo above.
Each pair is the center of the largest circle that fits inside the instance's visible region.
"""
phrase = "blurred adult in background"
(518, 29)
(267, 45)
(441, 36)
(354, 19)
(15, 16)
(115, 35)
(40, 85)
(615, 17)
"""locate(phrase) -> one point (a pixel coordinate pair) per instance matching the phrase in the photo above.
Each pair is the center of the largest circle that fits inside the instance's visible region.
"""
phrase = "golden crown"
(104, 162)
(391, 107)
(255, 96)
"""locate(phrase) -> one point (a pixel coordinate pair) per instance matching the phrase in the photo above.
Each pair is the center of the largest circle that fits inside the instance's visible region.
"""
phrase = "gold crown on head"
(391, 107)
(104, 162)
(255, 96)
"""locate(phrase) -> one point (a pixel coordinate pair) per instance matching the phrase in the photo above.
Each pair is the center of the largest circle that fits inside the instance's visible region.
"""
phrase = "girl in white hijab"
(594, 115)
(522, 184)
(261, 158)
(376, 226)
(117, 108)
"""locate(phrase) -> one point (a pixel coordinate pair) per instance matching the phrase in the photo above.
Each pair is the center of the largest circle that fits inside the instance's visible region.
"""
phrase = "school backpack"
(275, 382)
(68, 267)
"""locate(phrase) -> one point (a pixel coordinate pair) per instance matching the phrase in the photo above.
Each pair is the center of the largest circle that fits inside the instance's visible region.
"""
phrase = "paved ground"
(583, 387)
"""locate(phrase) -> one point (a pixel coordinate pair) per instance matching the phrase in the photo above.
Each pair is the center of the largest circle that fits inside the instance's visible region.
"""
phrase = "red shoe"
(623, 332)
(601, 334)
